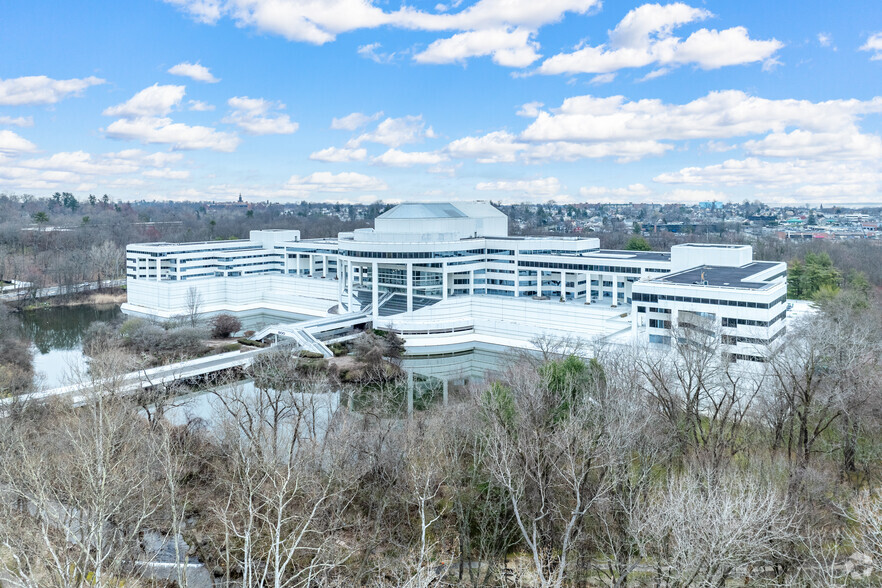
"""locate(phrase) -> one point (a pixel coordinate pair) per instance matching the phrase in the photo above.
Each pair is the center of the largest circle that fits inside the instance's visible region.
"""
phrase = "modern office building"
(451, 270)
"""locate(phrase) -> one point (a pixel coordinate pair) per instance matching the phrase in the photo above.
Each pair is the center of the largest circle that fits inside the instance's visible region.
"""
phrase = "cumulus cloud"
(142, 119)
(154, 130)
(42, 89)
(80, 170)
(645, 37)
(354, 121)
(530, 109)
(321, 22)
(166, 174)
(794, 176)
(845, 144)
(195, 71)
(508, 47)
(199, 106)
(541, 188)
(13, 143)
(502, 29)
(396, 158)
(328, 182)
(339, 155)
(155, 100)
(258, 117)
(723, 114)
(395, 132)
(495, 147)
(873, 44)
(825, 39)
(18, 121)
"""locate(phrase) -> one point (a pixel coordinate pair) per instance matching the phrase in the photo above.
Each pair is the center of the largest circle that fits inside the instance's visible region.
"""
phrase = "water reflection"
(56, 335)
(63, 327)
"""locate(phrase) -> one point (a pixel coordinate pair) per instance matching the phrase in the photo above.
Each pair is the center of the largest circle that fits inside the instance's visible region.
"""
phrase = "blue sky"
(511, 100)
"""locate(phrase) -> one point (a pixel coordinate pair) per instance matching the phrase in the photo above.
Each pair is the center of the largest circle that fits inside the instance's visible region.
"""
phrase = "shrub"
(223, 325)
(231, 347)
(250, 342)
(310, 354)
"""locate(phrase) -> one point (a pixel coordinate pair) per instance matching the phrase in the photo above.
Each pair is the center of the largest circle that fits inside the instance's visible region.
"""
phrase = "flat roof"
(644, 255)
(727, 276)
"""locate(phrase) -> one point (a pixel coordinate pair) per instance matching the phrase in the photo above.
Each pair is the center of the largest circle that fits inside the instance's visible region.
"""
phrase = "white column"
(324, 266)
(284, 262)
(409, 271)
(634, 321)
(311, 265)
(298, 265)
(588, 288)
(375, 291)
(472, 284)
(158, 269)
(349, 273)
(445, 386)
(444, 281)
(615, 291)
(339, 288)
(563, 285)
(539, 282)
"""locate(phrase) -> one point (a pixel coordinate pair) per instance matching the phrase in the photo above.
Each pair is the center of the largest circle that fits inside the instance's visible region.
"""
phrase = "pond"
(56, 335)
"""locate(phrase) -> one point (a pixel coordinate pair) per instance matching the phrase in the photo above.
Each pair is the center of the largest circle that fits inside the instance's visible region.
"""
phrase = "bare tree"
(193, 306)
(549, 447)
(703, 526)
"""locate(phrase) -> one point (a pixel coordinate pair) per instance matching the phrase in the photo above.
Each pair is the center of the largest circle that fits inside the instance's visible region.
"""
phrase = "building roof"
(715, 275)
(433, 210)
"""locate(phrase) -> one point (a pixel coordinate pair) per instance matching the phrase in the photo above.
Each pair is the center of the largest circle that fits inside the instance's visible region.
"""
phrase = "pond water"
(56, 335)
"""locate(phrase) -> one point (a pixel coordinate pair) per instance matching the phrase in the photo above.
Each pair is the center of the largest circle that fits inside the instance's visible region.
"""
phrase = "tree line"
(632, 468)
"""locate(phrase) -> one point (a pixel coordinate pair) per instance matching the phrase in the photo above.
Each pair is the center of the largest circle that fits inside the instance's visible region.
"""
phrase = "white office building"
(449, 273)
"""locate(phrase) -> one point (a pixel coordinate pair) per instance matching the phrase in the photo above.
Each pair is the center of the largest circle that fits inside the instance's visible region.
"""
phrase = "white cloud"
(605, 78)
(645, 37)
(845, 144)
(354, 121)
(793, 176)
(154, 100)
(321, 22)
(508, 47)
(19, 121)
(723, 114)
(530, 109)
(395, 132)
(339, 155)
(825, 39)
(372, 51)
(177, 135)
(396, 158)
(12, 143)
(167, 174)
(495, 147)
(256, 116)
(195, 71)
(328, 182)
(501, 28)
(42, 89)
(541, 188)
(79, 170)
(199, 106)
(873, 44)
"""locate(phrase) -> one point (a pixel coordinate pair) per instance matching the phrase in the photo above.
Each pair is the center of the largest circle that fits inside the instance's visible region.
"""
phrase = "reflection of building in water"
(449, 274)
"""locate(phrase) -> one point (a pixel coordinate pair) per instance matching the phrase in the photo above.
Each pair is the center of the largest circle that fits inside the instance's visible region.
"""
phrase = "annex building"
(448, 274)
